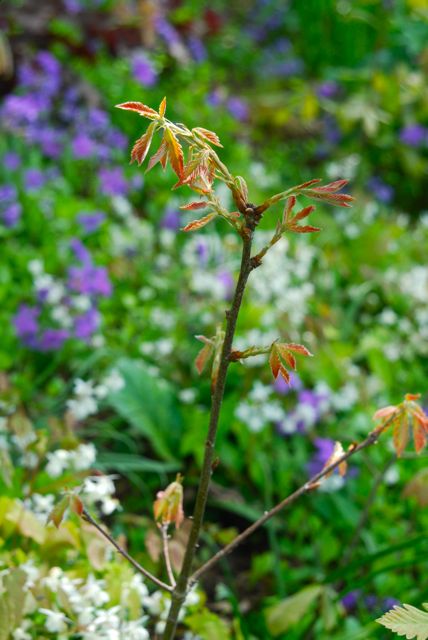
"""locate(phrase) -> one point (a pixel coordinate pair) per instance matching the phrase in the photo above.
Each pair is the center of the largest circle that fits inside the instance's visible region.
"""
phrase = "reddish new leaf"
(419, 435)
(175, 152)
(161, 156)
(162, 108)
(298, 348)
(57, 514)
(338, 199)
(76, 505)
(304, 213)
(291, 201)
(202, 358)
(332, 187)
(201, 222)
(307, 184)
(401, 434)
(202, 204)
(142, 146)
(206, 134)
(287, 356)
(305, 229)
(274, 361)
(140, 108)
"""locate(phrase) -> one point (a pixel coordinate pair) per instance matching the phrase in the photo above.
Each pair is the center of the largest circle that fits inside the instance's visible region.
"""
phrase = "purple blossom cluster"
(235, 105)
(414, 135)
(356, 599)
(10, 208)
(63, 309)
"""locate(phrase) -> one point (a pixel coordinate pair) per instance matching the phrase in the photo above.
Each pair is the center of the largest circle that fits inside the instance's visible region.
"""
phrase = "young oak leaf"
(161, 156)
(162, 107)
(403, 418)
(175, 152)
(142, 145)
(282, 352)
(337, 454)
(58, 512)
(208, 135)
(204, 354)
(201, 222)
(140, 108)
(192, 206)
(407, 621)
(168, 506)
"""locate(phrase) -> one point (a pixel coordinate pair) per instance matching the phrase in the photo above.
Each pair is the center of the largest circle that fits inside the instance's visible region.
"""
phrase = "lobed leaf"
(407, 621)
(208, 135)
(160, 156)
(175, 152)
(192, 206)
(162, 107)
(142, 145)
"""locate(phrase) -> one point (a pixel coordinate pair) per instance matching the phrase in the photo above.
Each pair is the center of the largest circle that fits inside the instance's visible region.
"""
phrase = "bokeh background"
(101, 296)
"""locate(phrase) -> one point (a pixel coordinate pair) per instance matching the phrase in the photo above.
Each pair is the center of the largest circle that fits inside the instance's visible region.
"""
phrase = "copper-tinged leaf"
(305, 229)
(206, 134)
(287, 356)
(291, 201)
(337, 199)
(298, 348)
(332, 187)
(204, 339)
(304, 213)
(201, 222)
(274, 361)
(57, 514)
(385, 412)
(175, 152)
(140, 108)
(284, 373)
(162, 107)
(409, 397)
(418, 487)
(168, 507)
(160, 156)
(307, 184)
(338, 453)
(191, 206)
(142, 145)
(419, 435)
(401, 434)
(76, 505)
(202, 358)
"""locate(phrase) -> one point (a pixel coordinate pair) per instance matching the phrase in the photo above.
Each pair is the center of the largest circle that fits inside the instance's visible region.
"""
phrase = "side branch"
(125, 554)
(310, 485)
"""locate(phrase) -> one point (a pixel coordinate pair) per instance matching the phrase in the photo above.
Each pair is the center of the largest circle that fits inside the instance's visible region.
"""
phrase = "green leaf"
(125, 462)
(57, 514)
(11, 601)
(147, 403)
(208, 626)
(407, 621)
(283, 615)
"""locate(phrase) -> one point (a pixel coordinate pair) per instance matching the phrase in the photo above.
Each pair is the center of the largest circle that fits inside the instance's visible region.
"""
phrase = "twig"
(181, 589)
(135, 564)
(305, 488)
(165, 546)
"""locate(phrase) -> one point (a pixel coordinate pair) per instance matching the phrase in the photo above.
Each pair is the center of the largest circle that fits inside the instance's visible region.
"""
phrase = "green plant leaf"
(406, 621)
(125, 462)
(147, 403)
(11, 601)
(283, 615)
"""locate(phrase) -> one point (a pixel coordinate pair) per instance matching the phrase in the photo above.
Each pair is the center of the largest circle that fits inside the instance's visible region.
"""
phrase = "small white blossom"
(55, 622)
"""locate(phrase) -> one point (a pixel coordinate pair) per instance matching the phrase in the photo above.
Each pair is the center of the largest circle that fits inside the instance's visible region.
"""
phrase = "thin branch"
(165, 547)
(181, 589)
(310, 485)
(135, 564)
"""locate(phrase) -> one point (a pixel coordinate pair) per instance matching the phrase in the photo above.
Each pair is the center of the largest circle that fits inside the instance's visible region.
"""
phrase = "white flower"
(55, 620)
(35, 267)
(84, 404)
(114, 381)
(32, 572)
(61, 314)
(58, 462)
(82, 302)
(93, 590)
(84, 456)
(187, 396)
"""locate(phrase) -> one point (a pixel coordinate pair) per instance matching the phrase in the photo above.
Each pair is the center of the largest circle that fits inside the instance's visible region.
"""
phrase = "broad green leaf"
(125, 462)
(283, 615)
(57, 514)
(208, 626)
(147, 403)
(406, 621)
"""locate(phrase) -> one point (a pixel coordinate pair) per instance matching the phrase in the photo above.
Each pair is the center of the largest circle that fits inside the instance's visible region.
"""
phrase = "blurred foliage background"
(101, 296)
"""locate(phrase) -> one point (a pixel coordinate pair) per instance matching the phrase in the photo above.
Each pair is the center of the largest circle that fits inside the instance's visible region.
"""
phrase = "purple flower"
(86, 324)
(11, 161)
(12, 214)
(171, 220)
(227, 282)
(238, 108)
(215, 98)
(283, 388)
(83, 146)
(33, 179)
(383, 192)
(25, 321)
(143, 70)
(414, 135)
(98, 119)
(389, 603)
(91, 221)
(113, 182)
(90, 280)
(49, 140)
(166, 31)
(202, 251)
(325, 448)
(328, 89)
(350, 601)
(8, 193)
(80, 251)
(52, 339)
(197, 49)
